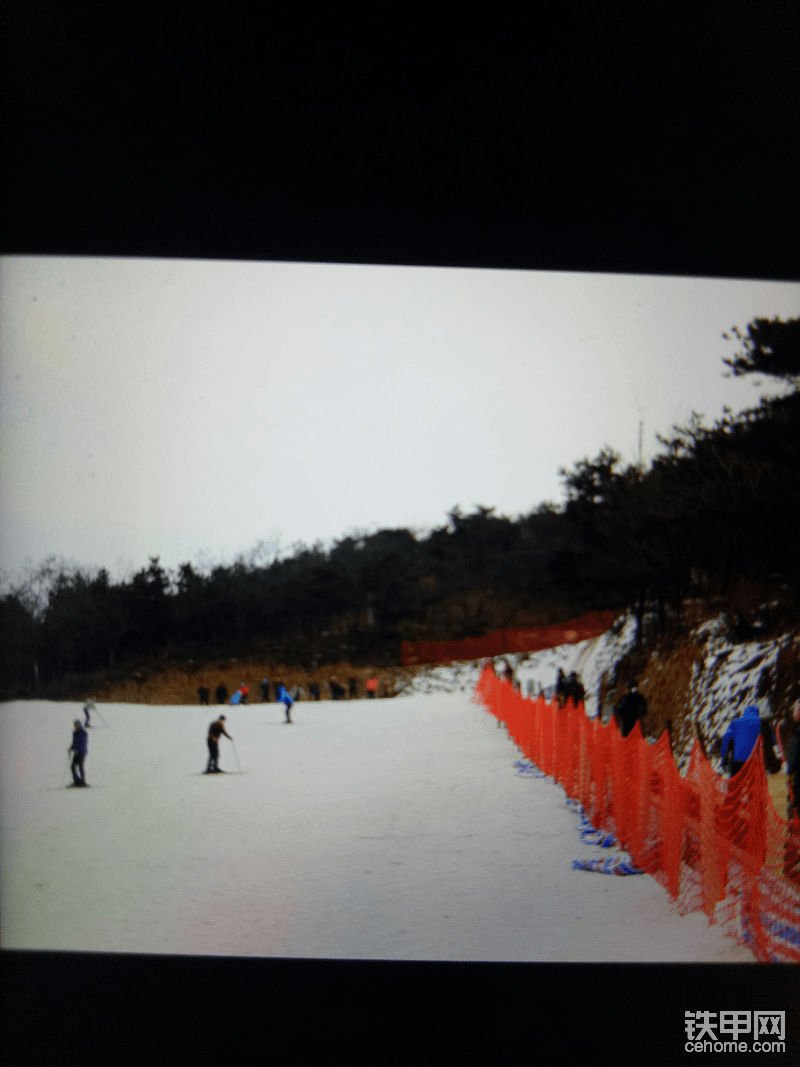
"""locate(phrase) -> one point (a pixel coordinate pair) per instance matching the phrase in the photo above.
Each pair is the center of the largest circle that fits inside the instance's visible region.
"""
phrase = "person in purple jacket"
(740, 738)
(78, 748)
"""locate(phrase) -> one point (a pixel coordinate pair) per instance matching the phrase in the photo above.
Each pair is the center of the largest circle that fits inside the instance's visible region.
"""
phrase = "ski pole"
(236, 754)
(100, 717)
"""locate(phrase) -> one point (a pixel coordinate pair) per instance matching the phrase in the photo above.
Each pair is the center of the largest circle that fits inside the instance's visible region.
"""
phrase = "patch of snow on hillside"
(591, 660)
(729, 680)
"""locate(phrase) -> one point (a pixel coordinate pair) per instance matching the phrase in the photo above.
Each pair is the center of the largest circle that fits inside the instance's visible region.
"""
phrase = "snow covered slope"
(391, 829)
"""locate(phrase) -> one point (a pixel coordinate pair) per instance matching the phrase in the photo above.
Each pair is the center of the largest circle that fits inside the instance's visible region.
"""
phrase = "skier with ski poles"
(87, 707)
(215, 729)
(79, 748)
(286, 700)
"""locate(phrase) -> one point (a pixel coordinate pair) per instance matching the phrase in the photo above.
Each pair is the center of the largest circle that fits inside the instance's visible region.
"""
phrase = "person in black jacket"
(575, 689)
(202, 694)
(214, 731)
(631, 708)
(222, 694)
(561, 688)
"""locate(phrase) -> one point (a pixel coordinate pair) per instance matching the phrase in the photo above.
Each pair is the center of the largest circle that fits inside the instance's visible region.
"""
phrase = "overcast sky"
(190, 409)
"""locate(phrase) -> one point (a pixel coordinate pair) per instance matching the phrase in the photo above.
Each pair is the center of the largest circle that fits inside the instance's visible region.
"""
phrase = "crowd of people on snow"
(372, 689)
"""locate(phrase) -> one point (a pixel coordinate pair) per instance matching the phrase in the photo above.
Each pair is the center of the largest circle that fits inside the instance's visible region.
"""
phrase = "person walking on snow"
(87, 707)
(78, 748)
(740, 738)
(284, 698)
(215, 729)
(633, 706)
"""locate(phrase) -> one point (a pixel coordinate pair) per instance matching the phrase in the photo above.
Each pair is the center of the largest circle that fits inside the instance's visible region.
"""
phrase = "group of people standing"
(337, 692)
(569, 689)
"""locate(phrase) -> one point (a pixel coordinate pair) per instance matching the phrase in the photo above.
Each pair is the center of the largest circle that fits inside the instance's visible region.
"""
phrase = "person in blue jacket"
(285, 699)
(78, 748)
(740, 738)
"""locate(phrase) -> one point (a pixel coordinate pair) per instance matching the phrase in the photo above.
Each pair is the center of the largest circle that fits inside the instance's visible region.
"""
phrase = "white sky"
(189, 409)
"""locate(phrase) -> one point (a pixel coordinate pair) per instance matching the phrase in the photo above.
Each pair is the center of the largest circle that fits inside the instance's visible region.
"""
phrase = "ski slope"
(371, 829)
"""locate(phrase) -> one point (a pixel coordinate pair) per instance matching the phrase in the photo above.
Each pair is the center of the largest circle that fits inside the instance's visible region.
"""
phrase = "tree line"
(715, 506)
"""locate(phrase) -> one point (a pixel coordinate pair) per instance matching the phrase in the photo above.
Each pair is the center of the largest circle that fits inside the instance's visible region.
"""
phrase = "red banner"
(715, 844)
(499, 642)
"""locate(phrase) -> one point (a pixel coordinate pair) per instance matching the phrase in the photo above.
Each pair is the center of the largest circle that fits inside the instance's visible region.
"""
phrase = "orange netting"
(500, 642)
(714, 843)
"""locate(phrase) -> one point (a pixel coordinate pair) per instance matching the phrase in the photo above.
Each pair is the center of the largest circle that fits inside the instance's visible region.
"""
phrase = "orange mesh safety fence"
(715, 844)
(500, 642)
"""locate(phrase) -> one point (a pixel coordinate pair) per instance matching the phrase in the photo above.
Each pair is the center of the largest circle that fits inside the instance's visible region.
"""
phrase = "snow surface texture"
(387, 829)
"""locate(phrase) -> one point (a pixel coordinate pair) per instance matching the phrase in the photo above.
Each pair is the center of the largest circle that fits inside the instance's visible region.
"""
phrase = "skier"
(284, 698)
(79, 748)
(352, 684)
(202, 694)
(372, 687)
(314, 690)
(87, 707)
(222, 694)
(740, 738)
(215, 729)
(265, 690)
(633, 706)
(245, 691)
